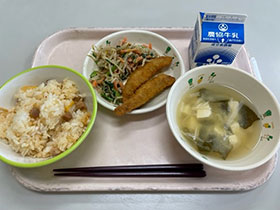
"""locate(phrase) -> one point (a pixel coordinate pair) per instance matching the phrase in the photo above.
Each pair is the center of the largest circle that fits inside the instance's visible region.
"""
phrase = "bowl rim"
(146, 32)
(194, 153)
(82, 137)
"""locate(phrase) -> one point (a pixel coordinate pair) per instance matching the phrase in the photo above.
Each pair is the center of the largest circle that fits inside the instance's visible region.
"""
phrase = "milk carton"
(217, 38)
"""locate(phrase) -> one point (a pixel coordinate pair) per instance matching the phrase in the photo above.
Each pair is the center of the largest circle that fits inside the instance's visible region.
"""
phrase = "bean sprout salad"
(115, 64)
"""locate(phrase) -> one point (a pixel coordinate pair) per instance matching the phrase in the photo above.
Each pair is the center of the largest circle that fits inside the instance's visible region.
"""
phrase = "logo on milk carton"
(217, 39)
(223, 27)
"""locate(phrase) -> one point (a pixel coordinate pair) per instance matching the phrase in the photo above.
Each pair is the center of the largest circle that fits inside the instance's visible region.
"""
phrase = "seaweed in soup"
(216, 119)
(210, 140)
(246, 116)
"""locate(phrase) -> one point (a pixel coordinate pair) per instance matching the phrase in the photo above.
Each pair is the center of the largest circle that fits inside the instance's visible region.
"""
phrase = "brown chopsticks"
(166, 170)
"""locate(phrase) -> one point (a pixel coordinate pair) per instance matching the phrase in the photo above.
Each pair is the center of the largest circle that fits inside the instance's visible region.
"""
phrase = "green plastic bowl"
(36, 76)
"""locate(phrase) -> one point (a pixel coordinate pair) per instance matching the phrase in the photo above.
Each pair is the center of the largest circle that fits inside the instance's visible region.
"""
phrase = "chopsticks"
(164, 170)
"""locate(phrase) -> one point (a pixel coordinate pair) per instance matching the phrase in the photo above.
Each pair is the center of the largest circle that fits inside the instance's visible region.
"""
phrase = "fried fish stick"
(143, 74)
(145, 93)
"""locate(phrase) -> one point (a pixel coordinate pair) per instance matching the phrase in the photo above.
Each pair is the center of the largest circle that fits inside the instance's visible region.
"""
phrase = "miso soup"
(219, 121)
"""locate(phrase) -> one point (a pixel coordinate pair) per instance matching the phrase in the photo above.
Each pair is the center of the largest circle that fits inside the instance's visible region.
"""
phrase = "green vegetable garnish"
(108, 42)
(177, 63)
(116, 93)
(167, 49)
(113, 68)
(110, 84)
(106, 97)
(93, 54)
(93, 74)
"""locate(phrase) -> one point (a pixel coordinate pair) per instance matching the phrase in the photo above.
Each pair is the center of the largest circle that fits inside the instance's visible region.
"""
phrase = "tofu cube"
(186, 109)
(203, 110)
(233, 140)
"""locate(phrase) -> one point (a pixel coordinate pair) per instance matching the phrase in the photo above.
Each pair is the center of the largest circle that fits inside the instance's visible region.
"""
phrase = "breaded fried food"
(144, 93)
(143, 74)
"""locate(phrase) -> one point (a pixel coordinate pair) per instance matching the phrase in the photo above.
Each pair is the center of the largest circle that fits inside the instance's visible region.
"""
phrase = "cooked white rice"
(49, 134)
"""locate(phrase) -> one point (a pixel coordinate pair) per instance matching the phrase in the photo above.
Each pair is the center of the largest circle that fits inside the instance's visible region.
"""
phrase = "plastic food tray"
(133, 139)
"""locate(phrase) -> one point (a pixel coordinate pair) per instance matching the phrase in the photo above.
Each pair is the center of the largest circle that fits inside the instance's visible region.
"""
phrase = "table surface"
(24, 24)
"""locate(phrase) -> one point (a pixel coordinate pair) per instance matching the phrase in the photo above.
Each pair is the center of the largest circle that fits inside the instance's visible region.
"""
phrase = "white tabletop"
(24, 24)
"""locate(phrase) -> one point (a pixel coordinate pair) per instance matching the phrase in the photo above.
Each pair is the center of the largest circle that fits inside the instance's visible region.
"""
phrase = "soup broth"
(218, 121)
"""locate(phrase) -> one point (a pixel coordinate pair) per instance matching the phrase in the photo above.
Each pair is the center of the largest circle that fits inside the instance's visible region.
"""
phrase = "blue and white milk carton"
(217, 38)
